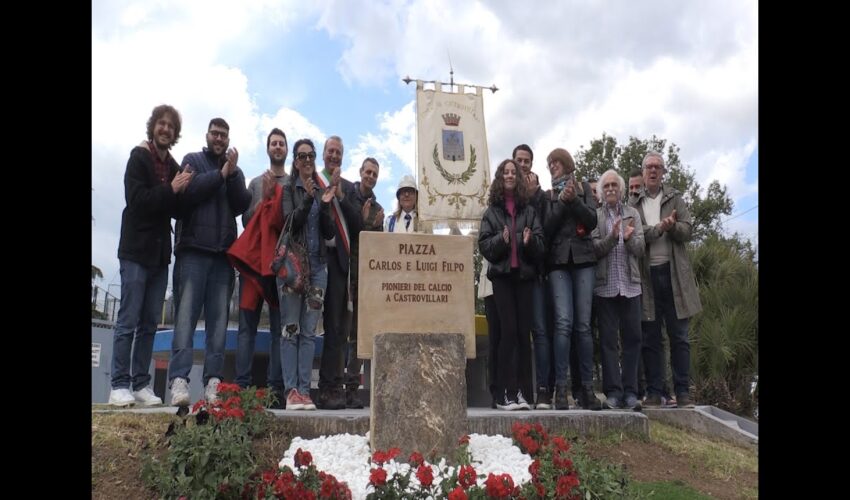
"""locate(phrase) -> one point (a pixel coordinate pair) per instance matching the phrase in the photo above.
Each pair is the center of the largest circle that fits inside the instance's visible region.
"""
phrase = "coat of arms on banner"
(452, 139)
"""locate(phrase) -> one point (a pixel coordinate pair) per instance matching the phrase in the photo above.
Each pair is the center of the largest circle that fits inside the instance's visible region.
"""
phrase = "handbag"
(290, 262)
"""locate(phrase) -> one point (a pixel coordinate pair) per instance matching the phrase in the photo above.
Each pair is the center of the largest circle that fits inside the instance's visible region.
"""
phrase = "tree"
(724, 336)
(605, 153)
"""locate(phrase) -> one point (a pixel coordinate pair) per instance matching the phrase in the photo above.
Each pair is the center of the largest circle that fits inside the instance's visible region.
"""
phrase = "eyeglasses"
(218, 133)
(305, 156)
(654, 167)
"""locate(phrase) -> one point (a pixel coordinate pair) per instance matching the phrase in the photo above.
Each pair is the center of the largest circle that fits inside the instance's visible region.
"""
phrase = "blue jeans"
(201, 280)
(572, 299)
(142, 295)
(299, 316)
(539, 334)
(246, 340)
(623, 314)
(677, 332)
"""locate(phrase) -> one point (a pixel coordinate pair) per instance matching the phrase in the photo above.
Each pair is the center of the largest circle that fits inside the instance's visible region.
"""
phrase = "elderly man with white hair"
(618, 244)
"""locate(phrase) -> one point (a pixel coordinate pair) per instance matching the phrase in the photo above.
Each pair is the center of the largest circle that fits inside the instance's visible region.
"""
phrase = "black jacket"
(209, 206)
(146, 220)
(351, 213)
(296, 209)
(494, 248)
(560, 225)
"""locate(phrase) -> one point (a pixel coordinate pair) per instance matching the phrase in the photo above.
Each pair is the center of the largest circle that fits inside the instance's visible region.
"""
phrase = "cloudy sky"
(567, 72)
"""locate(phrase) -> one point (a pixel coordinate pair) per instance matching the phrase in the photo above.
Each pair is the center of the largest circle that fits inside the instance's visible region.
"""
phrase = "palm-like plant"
(724, 343)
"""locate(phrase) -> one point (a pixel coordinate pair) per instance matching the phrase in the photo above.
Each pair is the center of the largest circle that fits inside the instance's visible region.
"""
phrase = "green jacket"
(685, 292)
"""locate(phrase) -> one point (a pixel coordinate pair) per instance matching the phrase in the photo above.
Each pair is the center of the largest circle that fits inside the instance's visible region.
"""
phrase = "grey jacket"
(604, 242)
(685, 292)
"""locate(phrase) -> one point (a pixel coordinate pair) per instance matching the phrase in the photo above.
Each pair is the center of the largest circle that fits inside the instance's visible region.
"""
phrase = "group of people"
(205, 193)
(554, 259)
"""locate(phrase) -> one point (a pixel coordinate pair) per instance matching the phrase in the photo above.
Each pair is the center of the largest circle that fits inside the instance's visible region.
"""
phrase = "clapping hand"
(628, 230)
(309, 186)
(268, 185)
(667, 222)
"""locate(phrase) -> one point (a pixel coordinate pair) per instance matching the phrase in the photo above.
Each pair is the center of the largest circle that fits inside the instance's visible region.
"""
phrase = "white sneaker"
(121, 397)
(211, 391)
(147, 397)
(179, 392)
(521, 403)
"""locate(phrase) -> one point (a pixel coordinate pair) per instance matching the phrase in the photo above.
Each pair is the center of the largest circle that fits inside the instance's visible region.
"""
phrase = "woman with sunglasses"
(307, 209)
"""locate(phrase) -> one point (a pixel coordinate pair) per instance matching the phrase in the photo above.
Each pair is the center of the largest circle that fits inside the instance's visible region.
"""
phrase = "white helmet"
(406, 182)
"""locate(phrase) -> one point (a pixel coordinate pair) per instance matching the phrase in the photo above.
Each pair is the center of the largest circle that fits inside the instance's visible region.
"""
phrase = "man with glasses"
(338, 307)
(669, 288)
(203, 276)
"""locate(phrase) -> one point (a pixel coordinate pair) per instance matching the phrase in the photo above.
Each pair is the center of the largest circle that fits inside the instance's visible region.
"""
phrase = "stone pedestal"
(418, 399)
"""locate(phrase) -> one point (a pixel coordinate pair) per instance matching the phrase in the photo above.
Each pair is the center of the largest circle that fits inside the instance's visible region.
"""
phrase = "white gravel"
(346, 457)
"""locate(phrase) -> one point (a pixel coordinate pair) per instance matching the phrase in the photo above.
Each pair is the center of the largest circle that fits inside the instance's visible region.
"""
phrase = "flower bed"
(529, 466)
(209, 456)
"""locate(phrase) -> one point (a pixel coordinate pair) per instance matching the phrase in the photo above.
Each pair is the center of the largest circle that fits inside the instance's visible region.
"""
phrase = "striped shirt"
(618, 263)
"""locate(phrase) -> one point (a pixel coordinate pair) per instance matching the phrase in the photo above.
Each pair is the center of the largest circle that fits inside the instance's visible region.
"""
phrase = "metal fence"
(105, 305)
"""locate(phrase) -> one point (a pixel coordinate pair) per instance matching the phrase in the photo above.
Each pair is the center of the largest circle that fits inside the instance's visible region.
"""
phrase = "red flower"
(566, 485)
(416, 459)
(268, 476)
(464, 440)
(499, 486)
(377, 477)
(303, 458)
(541, 490)
(225, 387)
(466, 476)
(534, 469)
(560, 444)
(425, 475)
(457, 494)
(261, 393)
(379, 457)
(328, 487)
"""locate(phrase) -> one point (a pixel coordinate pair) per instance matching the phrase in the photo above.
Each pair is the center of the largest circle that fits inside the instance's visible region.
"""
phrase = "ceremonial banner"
(452, 157)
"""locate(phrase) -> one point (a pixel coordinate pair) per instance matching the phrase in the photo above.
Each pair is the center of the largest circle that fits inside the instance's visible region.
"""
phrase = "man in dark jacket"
(338, 307)
(151, 186)
(372, 214)
(203, 277)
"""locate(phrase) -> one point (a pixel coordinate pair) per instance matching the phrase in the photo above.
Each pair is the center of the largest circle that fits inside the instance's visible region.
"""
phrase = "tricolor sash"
(336, 211)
